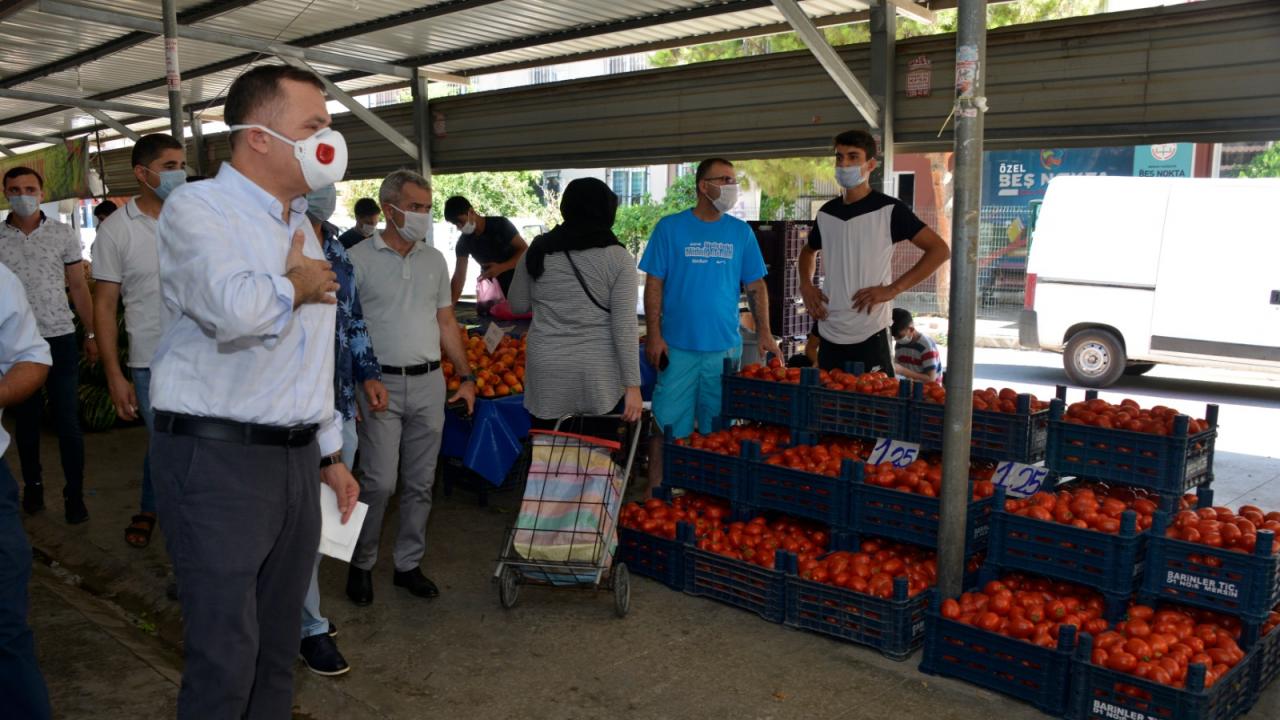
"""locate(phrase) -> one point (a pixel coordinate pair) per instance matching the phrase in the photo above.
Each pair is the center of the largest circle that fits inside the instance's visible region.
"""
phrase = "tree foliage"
(509, 194)
(634, 223)
(1266, 165)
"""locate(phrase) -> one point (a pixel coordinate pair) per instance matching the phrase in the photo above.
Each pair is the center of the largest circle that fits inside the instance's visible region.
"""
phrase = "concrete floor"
(108, 636)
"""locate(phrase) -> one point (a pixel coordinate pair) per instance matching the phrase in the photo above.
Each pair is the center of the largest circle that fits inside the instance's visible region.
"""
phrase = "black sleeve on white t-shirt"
(903, 224)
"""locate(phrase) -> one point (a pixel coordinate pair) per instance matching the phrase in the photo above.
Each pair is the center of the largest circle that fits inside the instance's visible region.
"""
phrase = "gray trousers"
(242, 527)
(401, 442)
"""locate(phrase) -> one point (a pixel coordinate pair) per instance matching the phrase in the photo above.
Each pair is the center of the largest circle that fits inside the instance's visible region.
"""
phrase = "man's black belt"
(422, 369)
(232, 431)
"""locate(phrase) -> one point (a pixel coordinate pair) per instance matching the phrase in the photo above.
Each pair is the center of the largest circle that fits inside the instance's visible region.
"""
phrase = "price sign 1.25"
(1020, 480)
(901, 454)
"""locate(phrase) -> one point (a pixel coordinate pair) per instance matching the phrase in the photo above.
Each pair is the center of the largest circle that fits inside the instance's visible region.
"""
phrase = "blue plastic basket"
(776, 403)
(861, 415)
(1170, 465)
(895, 627)
(652, 556)
(807, 495)
(744, 585)
(1246, 586)
(1266, 667)
(912, 518)
(1110, 564)
(1021, 437)
(1019, 669)
(1101, 694)
(709, 473)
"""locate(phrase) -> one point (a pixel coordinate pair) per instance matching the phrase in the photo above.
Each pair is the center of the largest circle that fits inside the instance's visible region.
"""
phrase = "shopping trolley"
(566, 531)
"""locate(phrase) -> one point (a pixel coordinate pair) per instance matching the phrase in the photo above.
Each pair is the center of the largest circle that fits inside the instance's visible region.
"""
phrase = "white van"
(1126, 272)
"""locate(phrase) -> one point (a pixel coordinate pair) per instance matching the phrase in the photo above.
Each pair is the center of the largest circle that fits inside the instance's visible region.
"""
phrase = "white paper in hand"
(338, 540)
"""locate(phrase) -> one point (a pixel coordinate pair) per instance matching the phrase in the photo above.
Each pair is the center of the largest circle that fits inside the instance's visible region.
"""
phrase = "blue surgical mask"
(170, 180)
(321, 202)
(850, 176)
(24, 205)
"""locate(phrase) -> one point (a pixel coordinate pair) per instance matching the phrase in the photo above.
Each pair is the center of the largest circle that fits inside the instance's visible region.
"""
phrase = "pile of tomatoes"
(775, 371)
(1091, 506)
(729, 442)
(921, 477)
(1219, 527)
(822, 459)
(1029, 609)
(757, 541)
(1160, 645)
(1128, 415)
(872, 383)
(497, 375)
(1004, 400)
(873, 568)
(658, 517)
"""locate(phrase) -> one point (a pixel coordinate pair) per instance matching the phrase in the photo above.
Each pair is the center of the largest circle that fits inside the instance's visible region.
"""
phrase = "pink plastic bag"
(492, 302)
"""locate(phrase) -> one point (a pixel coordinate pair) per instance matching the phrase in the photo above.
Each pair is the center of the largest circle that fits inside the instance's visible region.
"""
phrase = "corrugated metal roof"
(35, 39)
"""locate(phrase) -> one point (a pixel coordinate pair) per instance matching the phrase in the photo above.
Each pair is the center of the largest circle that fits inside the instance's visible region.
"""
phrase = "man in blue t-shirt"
(696, 264)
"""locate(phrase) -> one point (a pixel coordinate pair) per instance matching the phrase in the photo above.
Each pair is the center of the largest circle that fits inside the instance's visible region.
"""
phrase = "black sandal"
(138, 534)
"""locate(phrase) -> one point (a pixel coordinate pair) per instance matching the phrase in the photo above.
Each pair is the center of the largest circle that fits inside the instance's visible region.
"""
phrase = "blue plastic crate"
(1019, 669)
(912, 518)
(652, 556)
(1266, 667)
(709, 473)
(1101, 694)
(776, 403)
(1169, 464)
(895, 627)
(1110, 564)
(861, 415)
(1246, 586)
(1021, 437)
(807, 495)
(741, 584)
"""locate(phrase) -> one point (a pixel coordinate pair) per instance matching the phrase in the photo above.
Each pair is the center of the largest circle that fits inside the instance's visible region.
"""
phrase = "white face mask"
(728, 198)
(323, 156)
(366, 229)
(415, 225)
(469, 228)
(850, 176)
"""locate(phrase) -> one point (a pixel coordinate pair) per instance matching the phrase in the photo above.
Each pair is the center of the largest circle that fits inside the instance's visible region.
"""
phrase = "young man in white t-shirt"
(125, 264)
(857, 231)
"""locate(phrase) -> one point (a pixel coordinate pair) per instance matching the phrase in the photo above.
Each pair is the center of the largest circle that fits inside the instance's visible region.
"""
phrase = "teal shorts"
(689, 389)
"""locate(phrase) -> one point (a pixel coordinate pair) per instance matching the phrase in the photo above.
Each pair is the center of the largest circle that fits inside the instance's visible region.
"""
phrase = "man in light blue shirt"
(24, 364)
(696, 264)
(242, 386)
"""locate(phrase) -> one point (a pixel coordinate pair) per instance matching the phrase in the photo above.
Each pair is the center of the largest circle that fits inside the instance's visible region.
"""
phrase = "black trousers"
(22, 689)
(63, 387)
(873, 353)
(242, 526)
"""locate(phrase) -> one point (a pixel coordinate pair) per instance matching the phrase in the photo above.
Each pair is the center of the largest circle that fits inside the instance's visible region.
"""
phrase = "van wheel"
(1138, 368)
(1094, 358)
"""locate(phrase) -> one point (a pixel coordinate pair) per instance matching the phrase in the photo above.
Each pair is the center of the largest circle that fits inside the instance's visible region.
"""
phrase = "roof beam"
(83, 102)
(186, 32)
(30, 137)
(114, 124)
(9, 7)
(830, 61)
(909, 8)
(366, 115)
(196, 14)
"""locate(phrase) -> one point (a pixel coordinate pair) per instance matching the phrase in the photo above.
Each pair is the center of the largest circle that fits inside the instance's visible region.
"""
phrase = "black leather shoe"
(33, 499)
(417, 583)
(321, 655)
(359, 586)
(76, 511)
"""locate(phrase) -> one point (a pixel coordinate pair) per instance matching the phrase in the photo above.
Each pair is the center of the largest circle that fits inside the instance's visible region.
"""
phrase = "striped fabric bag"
(570, 507)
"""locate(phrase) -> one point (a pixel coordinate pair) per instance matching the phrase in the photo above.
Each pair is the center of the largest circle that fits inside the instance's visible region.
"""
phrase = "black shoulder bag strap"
(583, 283)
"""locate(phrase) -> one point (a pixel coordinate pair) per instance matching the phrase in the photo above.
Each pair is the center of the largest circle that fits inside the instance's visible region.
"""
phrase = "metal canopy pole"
(422, 133)
(971, 50)
(884, 29)
(30, 137)
(173, 76)
(830, 60)
(112, 123)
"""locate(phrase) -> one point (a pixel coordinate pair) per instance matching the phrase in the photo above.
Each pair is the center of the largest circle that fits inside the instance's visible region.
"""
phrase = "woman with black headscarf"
(580, 283)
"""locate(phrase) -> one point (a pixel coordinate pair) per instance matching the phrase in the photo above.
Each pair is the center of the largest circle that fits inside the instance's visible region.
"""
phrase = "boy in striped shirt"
(916, 354)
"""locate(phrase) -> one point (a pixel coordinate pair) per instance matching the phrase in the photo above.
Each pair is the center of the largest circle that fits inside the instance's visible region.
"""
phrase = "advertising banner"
(64, 167)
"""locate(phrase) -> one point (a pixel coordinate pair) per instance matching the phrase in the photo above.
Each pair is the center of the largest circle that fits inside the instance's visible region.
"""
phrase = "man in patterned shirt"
(354, 361)
(45, 255)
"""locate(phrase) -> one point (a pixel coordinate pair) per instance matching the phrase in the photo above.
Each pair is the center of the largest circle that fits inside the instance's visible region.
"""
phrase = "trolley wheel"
(620, 579)
(508, 588)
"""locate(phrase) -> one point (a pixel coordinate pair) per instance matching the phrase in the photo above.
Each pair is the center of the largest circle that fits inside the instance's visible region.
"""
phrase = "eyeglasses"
(723, 179)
